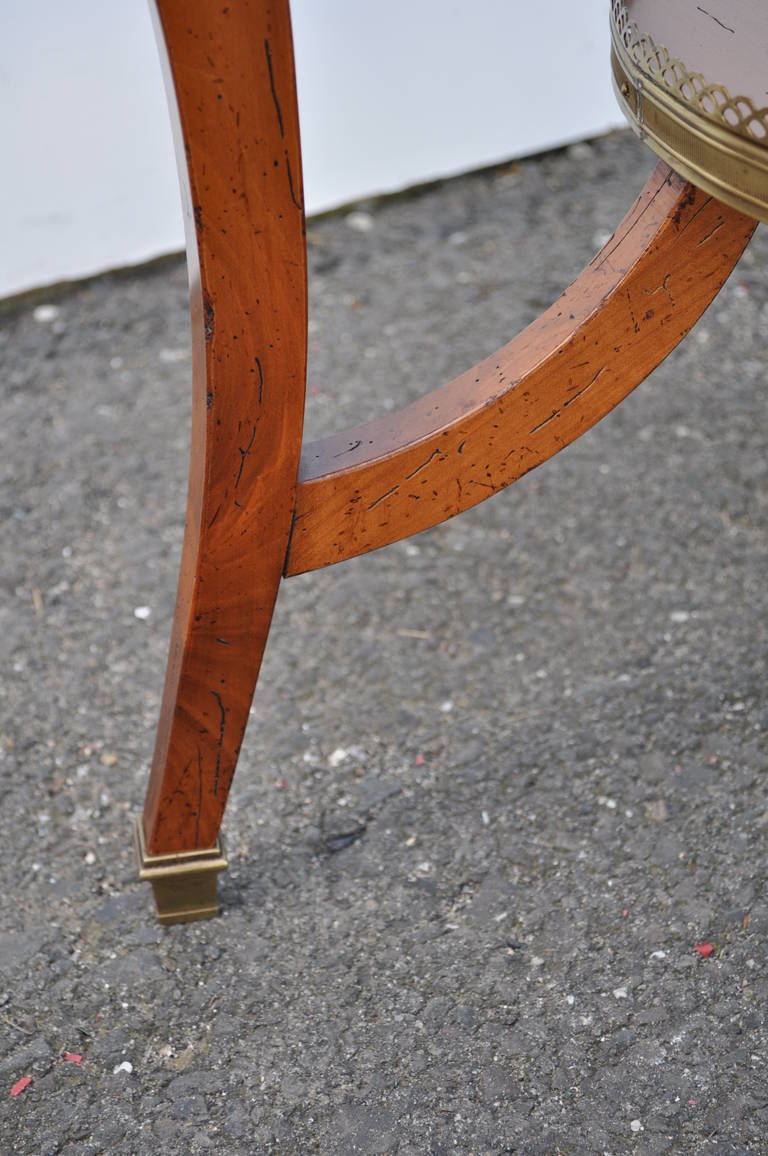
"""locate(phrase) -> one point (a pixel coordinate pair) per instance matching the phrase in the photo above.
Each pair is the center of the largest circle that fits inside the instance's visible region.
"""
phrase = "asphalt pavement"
(544, 723)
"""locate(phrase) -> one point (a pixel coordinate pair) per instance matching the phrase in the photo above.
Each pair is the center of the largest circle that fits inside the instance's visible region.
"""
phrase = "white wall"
(390, 94)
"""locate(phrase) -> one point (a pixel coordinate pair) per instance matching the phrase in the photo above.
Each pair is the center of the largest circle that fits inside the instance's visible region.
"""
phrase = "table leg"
(230, 78)
(231, 86)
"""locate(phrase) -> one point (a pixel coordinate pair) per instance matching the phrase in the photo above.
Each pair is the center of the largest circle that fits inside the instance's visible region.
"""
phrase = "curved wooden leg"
(230, 68)
(230, 79)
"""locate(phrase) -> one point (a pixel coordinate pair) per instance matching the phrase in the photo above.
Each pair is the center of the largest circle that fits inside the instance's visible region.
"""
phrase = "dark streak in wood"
(376, 501)
(421, 467)
(220, 744)
(268, 52)
(243, 455)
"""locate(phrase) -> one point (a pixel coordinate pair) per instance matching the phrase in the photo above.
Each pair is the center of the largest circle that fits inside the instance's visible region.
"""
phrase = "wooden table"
(262, 506)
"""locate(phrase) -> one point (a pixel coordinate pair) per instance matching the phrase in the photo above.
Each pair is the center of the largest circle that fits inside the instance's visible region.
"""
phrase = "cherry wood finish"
(457, 445)
(232, 90)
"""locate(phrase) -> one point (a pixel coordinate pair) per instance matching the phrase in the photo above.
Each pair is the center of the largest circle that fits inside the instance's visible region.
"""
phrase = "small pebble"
(581, 150)
(604, 801)
(360, 222)
(657, 811)
(337, 757)
(44, 314)
(124, 1067)
(636, 1126)
(142, 612)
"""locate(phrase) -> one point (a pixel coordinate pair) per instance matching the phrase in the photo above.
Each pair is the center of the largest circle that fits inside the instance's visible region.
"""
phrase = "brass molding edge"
(738, 114)
(184, 884)
(729, 164)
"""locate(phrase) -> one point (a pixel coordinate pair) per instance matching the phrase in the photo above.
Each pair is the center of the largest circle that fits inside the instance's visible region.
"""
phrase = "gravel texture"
(499, 781)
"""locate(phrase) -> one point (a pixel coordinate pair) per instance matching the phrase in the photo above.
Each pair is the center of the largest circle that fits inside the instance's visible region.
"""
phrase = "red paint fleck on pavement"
(704, 949)
(73, 1058)
(20, 1085)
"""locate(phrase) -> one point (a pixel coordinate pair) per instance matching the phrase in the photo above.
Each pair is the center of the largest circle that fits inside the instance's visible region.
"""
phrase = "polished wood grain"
(254, 512)
(394, 476)
(230, 80)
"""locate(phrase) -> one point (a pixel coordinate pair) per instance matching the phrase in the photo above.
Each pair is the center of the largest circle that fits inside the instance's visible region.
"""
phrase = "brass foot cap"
(184, 884)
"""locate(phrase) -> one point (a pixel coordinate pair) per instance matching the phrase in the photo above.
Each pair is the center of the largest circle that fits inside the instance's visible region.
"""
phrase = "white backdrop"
(390, 94)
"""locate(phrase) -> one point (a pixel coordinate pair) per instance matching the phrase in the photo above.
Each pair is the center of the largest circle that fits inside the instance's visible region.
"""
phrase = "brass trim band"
(184, 884)
(730, 165)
